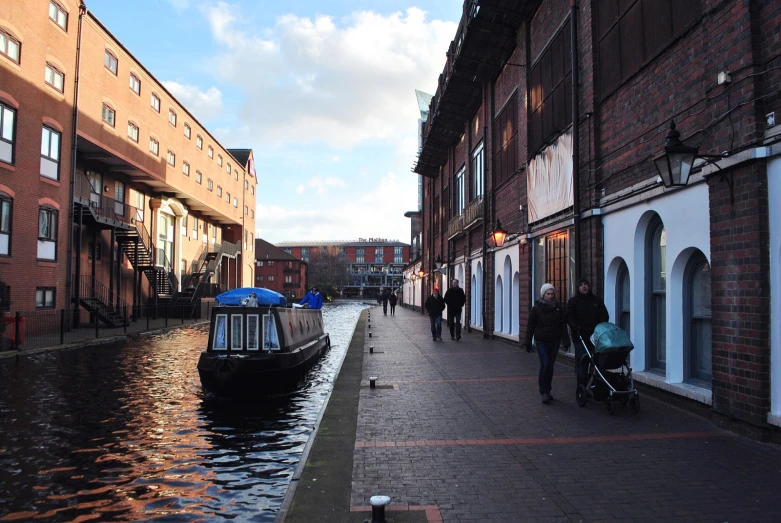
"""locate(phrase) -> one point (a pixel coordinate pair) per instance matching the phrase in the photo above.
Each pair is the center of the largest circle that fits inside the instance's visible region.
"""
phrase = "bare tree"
(328, 266)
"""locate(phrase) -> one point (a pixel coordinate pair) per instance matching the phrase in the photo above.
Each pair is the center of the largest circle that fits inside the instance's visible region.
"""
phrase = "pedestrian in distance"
(435, 304)
(392, 299)
(384, 297)
(584, 312)
(548, 326)
(455, 300)
(313, 299)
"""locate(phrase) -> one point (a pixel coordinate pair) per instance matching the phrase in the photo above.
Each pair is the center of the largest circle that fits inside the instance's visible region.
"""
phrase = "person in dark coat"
(384, 297)
(584, 312)
(435, 304)
(392, 299)
(548, 326)
(455, 300)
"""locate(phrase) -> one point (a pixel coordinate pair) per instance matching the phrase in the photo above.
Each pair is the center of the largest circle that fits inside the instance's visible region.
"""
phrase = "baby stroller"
(609, 376)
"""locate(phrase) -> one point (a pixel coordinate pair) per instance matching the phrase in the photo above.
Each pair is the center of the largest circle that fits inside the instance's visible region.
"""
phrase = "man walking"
(455, 300)
(584, 312)
(384, 297)
(392, 299)
(435, 304)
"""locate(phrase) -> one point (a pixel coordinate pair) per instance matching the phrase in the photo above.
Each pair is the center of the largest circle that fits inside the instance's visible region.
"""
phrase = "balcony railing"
(455, 227)
(473, 214)
(108, 209)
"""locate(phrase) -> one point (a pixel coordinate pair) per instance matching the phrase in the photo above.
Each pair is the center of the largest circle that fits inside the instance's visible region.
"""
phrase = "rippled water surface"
(126, 434)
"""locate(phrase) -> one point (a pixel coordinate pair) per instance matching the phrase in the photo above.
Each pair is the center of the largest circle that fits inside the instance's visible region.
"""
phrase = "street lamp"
(438, 262)
(675, 164)
(498, 235)
(421, 273)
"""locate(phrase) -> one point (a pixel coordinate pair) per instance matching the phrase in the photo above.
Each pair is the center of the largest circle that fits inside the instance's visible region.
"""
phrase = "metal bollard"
(378, 508)
(373, 382)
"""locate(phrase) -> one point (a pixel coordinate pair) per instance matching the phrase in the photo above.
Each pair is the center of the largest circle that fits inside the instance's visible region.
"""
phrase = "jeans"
(581, 367)
(547, 353)
(436, 326)
(385, 307)
(454, 321)
(393, 309)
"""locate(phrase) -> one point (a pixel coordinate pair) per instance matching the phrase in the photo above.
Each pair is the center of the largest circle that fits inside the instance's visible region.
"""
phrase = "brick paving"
(456, 430)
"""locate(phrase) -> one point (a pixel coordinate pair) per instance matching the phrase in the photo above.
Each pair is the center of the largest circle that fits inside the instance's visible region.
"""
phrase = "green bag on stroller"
(608, 337)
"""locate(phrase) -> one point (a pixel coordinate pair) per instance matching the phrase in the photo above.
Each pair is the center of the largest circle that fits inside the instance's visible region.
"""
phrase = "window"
(398, 254)
(47, 233)
(54, 77)
(359, 255)
(228, 197)
(698, 340)
(656, 290)
(378, 254)
(211, 152)
(260, 278)
(58, 15)
(288, 279)
(251, 240)
(199, 142)
(228, 168)
(632, 32)
(235, 202)
(172, 117)
(135, 84)
(154, 146)
(246, 185)
(505, 142)
(119, 198)
(187, 131)
(270, 278)
(214, 231)
(132, 131)
(45, 297)
(219, 191)
(210, 184)
(459, 193)
(551, 92)
(195, 228)
(155, 102)
(171, 158)
(198, 177)
(110, 62)
(92, 252)
(252, 214)
(186, 168)
(252, 189)
(140, 206)
(271, 263)
(623, 303)
(219, 160)
(50, 153)
(9, 46)
(109, 115)
(246, 210)
(478, 172)
(6, 206)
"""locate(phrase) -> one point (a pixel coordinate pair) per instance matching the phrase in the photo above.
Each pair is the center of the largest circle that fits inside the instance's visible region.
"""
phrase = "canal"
(125, 433)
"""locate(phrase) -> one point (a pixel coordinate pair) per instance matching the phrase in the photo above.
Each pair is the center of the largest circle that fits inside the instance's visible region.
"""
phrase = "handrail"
(94, 288)
(120, 213)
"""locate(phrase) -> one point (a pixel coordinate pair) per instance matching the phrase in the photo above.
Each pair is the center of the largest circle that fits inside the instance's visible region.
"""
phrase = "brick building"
(691, 271)
(158, 208)
(368, 265)
(280, 271)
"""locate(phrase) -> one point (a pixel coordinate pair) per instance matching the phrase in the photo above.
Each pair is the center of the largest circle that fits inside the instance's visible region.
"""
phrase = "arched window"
(623, 306)
(697, 324)
(498, 301)
(655, 296)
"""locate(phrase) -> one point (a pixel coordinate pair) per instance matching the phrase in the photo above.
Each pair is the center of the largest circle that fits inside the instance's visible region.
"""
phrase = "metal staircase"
(98, 300)
(137, 245)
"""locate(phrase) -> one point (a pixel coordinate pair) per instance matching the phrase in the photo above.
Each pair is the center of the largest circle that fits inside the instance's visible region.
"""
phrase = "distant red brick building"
(279, 271)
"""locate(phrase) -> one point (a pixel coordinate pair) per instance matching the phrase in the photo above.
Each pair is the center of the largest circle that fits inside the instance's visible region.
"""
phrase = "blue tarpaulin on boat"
(233, 297)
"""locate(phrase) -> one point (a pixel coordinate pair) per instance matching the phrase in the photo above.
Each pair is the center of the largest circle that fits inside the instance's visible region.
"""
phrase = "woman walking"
(548, 326)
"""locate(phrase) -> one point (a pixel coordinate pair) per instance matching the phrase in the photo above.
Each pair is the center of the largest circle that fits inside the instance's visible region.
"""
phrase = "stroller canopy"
(610, 338)
(265, 296)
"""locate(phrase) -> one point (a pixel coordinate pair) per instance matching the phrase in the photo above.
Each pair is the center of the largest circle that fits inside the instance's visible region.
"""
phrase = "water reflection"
(126, 433)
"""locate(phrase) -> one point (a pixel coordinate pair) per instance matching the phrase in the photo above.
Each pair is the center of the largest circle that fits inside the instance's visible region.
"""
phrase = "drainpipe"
(575, 135)
(69, 260)
(489, 148)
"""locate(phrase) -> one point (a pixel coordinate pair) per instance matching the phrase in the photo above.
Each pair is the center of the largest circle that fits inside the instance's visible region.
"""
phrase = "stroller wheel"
(580, 396)
(634, 404)
(609, 406)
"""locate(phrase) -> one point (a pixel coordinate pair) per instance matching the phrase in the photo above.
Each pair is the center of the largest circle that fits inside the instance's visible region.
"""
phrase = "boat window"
(270, 337)
(220, 341)
(236, 331)
(252, 332)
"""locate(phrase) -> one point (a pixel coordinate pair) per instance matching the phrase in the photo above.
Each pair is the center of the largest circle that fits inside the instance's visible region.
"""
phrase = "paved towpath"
(456, 432)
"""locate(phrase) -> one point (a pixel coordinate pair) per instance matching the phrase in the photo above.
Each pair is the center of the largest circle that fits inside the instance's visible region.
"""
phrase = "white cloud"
(335, 158)
(300, 189)
(318, 79)
(320, 184)
(179, 5)
(203, 104)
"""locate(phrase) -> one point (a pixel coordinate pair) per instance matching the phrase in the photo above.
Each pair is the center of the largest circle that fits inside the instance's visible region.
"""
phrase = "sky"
(323, 92)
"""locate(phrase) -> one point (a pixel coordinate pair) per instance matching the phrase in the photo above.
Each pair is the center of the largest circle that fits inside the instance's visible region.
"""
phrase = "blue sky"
(323, 92)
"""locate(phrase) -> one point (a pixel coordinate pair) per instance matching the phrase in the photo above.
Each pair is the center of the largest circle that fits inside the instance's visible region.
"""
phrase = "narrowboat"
(265, 348)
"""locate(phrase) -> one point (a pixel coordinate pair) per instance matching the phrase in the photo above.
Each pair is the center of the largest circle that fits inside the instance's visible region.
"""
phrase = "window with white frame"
(58, 15)
(219, 191)
(54, 77)
(50, 153)
(656, 295)
(209, 184)
(135, 84)
(9, 46)
(186, 168)
(195, 228)
(47, 233)
(210, 152)
(140, 206)
(219, 160)
(6, 208)
(199, 142)
(154, 146)
(398, 254)
(171, 158)
(271, 278)
(132, 131)
(109, 115)
(228, 197)
(45, 297)
(187, 131)
(155, 102)
(198, 177)
(228, 168)
(235, 202)
(119, 198)
(459, 194)
(7, 133)
(359, 255)
(478, 172)
(110, 62)
(172, 117)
